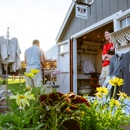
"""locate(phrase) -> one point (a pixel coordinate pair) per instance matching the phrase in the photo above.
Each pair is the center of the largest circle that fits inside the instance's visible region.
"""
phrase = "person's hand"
(105, 56)
(112, 48)
(108, 57)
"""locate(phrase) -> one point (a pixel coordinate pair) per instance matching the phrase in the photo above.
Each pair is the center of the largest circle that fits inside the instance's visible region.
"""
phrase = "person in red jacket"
(107, 53)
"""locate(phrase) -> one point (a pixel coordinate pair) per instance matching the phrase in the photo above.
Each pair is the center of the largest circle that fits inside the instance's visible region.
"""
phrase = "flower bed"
(34, 110)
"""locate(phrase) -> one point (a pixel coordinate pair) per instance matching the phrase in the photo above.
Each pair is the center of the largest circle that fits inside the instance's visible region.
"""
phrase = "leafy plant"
(61, 111)
(58, 111)
(20, 120)
(2, 81)
(106, 113)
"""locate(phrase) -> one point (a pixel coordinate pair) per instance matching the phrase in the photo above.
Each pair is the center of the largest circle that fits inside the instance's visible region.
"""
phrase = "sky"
(33, 19)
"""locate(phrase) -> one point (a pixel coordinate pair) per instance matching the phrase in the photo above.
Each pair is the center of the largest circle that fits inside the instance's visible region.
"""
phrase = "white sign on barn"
(81, 11)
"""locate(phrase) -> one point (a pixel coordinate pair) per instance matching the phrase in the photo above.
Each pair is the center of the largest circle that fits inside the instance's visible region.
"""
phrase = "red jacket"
(106, 48)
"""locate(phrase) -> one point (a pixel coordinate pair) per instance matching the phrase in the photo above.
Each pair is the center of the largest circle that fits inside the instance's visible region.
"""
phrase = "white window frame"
(117, 20)
(63, 43)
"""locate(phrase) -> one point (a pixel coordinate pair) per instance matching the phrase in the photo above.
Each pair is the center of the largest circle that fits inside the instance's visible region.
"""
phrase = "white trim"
(123, 14)
(65, 20)
(116, 24)
(119, 33)
(64, 71)
(64, 42)
(96, 25)
(75, 86)
(117, 19)
(62, 54)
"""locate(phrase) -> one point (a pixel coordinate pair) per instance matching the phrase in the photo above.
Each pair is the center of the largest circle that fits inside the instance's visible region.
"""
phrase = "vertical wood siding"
(113, 6)
(105, 8)
(122, 4)
(93, 17)
(128, 3)
(99, 10)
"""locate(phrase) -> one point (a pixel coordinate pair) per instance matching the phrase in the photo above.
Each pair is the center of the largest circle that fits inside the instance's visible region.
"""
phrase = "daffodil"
(23, 99)
(34, 71)
(122, 95)
(114, 102)
(102, 90)
(30, 75)
(116, 81)
(28, 88)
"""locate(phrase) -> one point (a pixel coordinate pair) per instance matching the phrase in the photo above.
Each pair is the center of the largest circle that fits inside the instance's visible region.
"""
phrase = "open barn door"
(63, 64)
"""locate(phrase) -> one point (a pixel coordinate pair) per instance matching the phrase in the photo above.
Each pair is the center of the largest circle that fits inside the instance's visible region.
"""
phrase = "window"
(122, 20)
(125, 22)
(128, 20)
(63, 48)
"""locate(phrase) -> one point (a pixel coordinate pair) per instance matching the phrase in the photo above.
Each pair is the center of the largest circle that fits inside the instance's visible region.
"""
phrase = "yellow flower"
(99, 95)
(128, 97)
(34, 71)
(114, 102)
(83, 112)
(116, 81)
(22, 99)
(28, 88)
(121, 82)
(122, 95)
(30, 75)
(102, 90)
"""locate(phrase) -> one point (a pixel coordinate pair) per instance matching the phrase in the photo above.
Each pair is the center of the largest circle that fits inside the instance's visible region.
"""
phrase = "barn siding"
(128, 2)
(122, 4)
(93, 17)
(99, 10)
(106, 8)
(113, 6)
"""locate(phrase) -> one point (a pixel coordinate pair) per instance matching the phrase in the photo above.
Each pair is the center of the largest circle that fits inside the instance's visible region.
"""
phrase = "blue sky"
(33, 19)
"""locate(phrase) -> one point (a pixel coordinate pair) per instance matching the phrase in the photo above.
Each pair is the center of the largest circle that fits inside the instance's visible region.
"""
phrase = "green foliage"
(100, 116)
(17, 119)
(16, 86)
(2, 81)
(58, 111)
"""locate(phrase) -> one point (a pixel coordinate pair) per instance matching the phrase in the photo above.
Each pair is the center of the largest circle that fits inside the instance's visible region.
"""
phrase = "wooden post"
(71, 65)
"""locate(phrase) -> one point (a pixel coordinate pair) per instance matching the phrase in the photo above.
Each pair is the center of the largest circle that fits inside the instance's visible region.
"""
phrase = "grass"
(15, 85)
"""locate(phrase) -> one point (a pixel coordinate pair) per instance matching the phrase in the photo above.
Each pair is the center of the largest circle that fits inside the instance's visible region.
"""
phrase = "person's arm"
(103, 57)
(108, 57)
(104, 52)
(42, 58)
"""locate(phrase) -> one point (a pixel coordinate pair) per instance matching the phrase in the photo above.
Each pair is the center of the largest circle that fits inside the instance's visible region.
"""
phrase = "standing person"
(34, 57)
(107, 53)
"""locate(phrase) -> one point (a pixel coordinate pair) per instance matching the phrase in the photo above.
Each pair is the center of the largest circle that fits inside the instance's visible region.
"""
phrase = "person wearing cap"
(34, 58)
